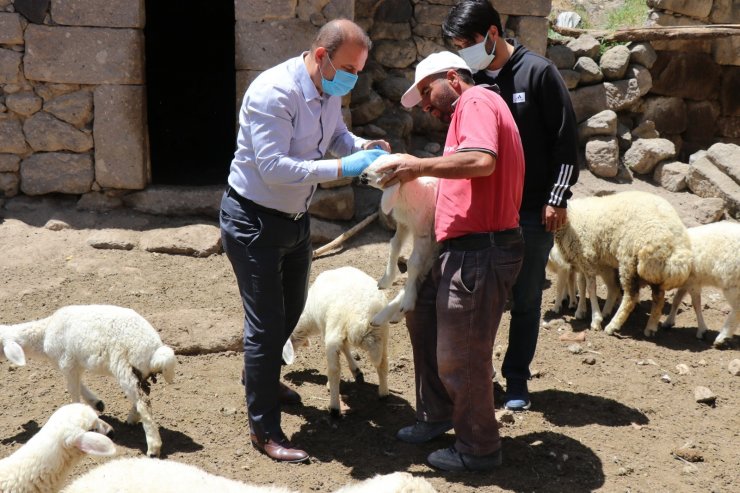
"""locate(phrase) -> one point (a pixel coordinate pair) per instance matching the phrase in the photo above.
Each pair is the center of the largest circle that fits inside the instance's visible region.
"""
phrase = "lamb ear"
(95, 444)
(14, 352)
(389, 198)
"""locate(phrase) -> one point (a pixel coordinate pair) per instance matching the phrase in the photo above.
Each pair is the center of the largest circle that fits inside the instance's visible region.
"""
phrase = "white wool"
(102, 339)
(397, 482)
(143, 475)
(412, 205)
(638, 233)
(715, 250)
(340, 306)
(43, 463)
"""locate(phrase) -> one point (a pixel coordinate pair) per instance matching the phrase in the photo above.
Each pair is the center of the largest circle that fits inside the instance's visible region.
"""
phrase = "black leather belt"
(291, 216)
(479, 241)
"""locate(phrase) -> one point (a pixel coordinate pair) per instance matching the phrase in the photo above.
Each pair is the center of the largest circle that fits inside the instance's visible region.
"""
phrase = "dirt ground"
(608, 426)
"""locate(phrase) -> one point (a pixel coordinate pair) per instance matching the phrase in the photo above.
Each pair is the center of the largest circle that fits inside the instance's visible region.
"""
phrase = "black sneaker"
(449, 459)
(423, 431)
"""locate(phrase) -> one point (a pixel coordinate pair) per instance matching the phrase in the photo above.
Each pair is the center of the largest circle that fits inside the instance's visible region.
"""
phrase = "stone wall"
(72, 100)
(697, 79)
(630, 125)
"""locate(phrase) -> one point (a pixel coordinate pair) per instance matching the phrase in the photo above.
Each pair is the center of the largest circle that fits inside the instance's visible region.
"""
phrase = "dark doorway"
(190, 90)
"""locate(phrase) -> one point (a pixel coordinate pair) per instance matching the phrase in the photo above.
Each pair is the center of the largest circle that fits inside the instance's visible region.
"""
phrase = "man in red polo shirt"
(454, 323)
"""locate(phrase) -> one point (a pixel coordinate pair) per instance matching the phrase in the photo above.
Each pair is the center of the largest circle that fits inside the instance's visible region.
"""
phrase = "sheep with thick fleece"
(103, 339)
(340, 306)
(412, 205)
(142, 475)
(637, 233)
(715, 250)
(43, 463)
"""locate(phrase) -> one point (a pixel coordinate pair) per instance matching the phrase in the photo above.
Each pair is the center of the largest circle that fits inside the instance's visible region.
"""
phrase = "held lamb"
(412, 206)
(103, 339)
(716, 263)
(340, 306)
(43, 463)
(637, 233)
(142, 475)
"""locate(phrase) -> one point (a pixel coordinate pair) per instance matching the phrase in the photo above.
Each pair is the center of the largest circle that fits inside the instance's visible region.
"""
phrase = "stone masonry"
(73, 106)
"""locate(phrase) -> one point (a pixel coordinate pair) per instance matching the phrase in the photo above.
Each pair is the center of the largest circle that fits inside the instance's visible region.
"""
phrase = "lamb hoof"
(385, 282)
(721, 342)
(650, 332)
(610, 329)
(359, 377)
(100, 406)
(668, 326)
(397, 318)
(580, 315)
(335, 413)
(383, 395)
(154, 452)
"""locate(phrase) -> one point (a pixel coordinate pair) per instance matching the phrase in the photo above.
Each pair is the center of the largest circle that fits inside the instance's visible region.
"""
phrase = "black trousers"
(271, 257)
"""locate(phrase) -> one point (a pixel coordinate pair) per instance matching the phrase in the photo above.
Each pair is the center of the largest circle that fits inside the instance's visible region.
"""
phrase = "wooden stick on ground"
(339, 240)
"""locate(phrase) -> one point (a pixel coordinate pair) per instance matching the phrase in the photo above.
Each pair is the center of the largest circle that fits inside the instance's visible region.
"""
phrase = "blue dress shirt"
(285, 129)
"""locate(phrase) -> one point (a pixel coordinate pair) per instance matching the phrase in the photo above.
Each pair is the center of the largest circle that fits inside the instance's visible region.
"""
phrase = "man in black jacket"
(534, 91)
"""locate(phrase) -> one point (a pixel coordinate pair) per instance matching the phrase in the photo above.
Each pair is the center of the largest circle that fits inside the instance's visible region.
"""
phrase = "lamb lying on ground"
(716, 263)
(340, 306)
(639, 234)
(141, 475)
(103, 339)
(42, 464)
(412, 206)
(397, 482)
(164, 476)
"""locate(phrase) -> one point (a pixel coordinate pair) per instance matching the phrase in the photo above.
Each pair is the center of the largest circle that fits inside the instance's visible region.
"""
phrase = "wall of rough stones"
(73, 106)
(72, 100)
(647, 108)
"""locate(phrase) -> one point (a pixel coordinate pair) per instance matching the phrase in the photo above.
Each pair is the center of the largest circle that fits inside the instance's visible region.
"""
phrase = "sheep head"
(371, 176)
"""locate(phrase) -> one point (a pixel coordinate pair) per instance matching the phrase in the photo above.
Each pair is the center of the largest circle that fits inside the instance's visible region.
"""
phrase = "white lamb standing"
(716, 263)
(340, 306)
(412, 206)
(43, 463)
(397, 482)
(143, 475)
(638, 233)
(103, 339)
(565, 275)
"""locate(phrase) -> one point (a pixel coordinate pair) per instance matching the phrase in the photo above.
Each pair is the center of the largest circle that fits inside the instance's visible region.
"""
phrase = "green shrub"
(633, 13)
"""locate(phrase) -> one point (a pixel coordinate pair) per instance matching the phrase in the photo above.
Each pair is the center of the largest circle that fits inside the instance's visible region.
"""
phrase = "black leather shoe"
(279, 449)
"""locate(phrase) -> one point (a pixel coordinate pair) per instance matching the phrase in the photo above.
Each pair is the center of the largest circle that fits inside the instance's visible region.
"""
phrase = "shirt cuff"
(327, 169)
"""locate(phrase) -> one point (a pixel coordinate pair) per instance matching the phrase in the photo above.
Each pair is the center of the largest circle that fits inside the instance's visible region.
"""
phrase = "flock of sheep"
(628, 239)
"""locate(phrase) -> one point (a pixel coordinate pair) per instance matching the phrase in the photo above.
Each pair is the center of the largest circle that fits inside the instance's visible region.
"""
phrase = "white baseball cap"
(435, 63)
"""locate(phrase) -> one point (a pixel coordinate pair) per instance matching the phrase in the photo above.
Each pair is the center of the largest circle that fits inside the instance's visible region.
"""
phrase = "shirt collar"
(304, 79)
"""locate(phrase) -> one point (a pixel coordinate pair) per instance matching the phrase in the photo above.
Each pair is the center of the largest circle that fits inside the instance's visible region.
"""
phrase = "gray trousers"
(453, 328)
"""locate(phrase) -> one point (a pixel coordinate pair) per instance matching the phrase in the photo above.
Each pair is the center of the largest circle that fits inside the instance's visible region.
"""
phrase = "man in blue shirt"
(290, 119)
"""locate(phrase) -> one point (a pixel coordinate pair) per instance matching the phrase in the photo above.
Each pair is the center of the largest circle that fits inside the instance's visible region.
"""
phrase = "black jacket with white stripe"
(536, 94)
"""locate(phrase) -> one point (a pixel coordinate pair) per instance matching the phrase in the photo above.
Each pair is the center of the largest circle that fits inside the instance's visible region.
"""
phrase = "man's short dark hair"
(471, 17)
(339, 31)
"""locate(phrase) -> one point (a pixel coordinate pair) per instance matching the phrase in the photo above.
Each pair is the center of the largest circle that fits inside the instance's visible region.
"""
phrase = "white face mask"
(476, 57)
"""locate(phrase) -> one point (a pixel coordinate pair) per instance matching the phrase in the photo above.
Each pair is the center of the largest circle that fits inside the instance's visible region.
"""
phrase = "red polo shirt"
(481, 122)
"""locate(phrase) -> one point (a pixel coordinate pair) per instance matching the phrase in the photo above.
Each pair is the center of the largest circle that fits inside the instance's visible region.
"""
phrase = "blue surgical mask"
(342, 83)
(476, 56)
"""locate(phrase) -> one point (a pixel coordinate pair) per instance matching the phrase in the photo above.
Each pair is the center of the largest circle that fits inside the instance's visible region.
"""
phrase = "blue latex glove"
(354, 164)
